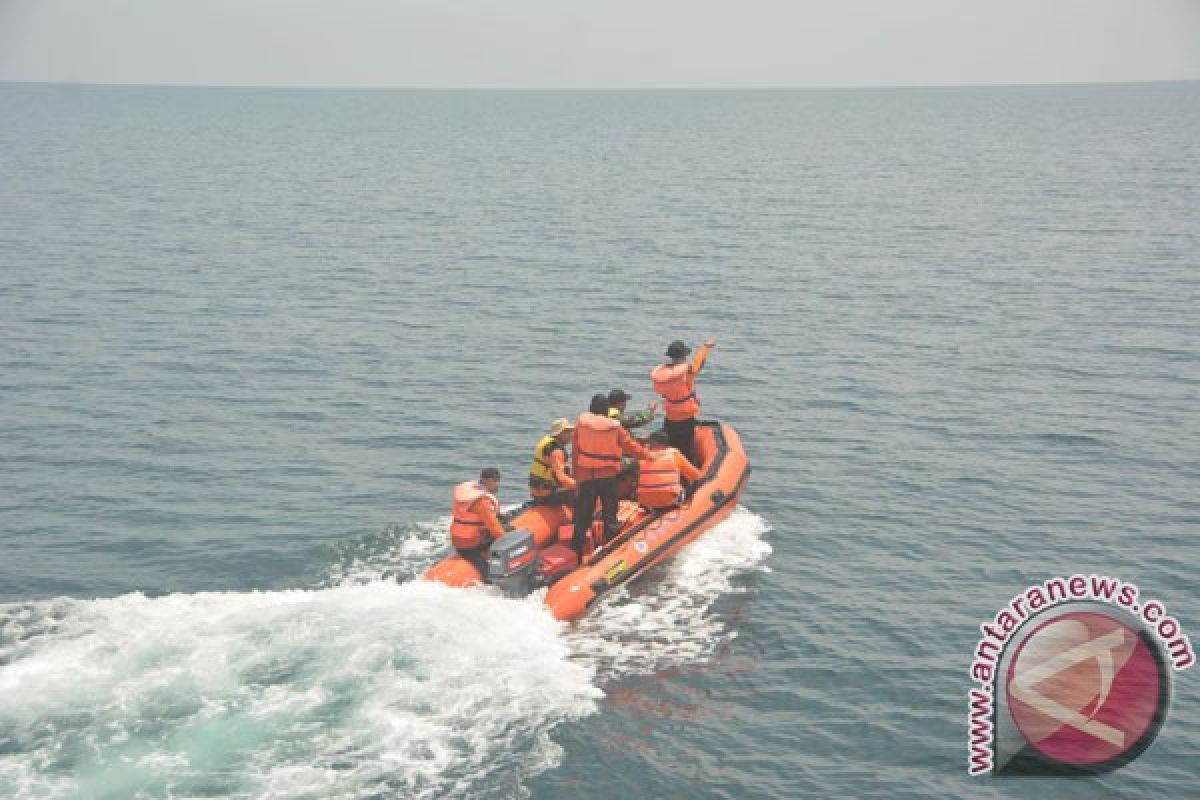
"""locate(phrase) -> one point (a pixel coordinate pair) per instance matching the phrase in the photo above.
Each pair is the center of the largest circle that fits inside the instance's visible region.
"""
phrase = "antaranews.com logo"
(1073, 679)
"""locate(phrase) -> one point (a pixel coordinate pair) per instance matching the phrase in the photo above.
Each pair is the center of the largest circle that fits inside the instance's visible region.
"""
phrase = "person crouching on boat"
(661, 474)
(675, 382)
(474, 524)
(549, 483)
(596, 450)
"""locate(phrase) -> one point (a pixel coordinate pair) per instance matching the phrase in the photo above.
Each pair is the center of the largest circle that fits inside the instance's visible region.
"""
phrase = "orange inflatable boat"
(537, 552)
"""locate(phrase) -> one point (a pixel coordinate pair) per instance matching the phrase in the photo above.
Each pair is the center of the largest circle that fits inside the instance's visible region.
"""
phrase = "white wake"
(365, 688)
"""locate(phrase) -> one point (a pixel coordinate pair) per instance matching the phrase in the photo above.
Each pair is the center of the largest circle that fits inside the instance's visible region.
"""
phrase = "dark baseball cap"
(677, 348)
(617, 396)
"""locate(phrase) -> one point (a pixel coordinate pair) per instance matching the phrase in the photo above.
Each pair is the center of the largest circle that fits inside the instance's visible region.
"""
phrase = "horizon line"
(731, 88)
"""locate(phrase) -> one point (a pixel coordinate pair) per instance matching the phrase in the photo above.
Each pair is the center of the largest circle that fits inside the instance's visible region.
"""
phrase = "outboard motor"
(511, 563)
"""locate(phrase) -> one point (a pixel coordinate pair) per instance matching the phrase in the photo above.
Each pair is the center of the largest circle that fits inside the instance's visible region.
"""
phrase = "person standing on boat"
(596, 450)
(661, 475)
(549, 483)
(474, 523)
(675, 382)
(617, 399)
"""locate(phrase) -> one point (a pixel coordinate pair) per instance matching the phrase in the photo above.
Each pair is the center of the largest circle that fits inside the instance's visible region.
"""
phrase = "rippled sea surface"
(250, 339)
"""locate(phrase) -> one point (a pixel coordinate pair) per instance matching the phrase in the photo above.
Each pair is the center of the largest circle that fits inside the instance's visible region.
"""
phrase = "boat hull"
(645, 538)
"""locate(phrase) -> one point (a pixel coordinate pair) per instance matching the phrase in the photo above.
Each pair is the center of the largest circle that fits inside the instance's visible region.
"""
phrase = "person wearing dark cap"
(617, 399)
(596, 449)
(675, 382)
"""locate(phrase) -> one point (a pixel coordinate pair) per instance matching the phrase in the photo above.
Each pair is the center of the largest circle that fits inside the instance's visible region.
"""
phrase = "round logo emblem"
(1087, 690)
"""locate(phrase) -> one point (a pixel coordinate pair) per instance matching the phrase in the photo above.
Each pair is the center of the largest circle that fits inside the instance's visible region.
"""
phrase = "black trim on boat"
(709, 474)
(719, 499)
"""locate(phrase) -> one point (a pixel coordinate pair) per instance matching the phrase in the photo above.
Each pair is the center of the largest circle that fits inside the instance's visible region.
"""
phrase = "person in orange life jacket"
(549, 482)
(596, 450)
(659, 476)
(474, 524)
(675, 382)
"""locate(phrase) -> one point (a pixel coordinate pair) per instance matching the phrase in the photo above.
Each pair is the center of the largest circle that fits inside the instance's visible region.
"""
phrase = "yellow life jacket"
(541, 473)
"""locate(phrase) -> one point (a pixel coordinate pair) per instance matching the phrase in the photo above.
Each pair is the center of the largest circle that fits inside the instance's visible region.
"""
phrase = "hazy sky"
(598, 43)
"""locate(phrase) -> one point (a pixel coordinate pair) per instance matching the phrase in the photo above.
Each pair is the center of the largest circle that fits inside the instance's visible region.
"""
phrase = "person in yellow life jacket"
(596, 449)
(474, 523)
(675, 382)
(549, 482)
(661, 475)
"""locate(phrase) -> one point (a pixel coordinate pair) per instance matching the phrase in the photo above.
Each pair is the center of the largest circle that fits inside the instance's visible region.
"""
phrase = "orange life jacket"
(596, 442)
(659, 483)
(466, 528)
(671, 382)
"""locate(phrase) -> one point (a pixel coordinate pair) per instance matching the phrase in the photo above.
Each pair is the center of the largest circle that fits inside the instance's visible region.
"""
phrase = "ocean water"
(250, 338)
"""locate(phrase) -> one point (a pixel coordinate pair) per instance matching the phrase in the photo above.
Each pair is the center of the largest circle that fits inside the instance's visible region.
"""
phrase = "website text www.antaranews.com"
(1034, 600)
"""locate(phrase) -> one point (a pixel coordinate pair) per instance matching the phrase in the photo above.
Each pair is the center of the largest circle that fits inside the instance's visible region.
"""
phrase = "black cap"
(599, 404)
(677, 349)
(617, 396)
